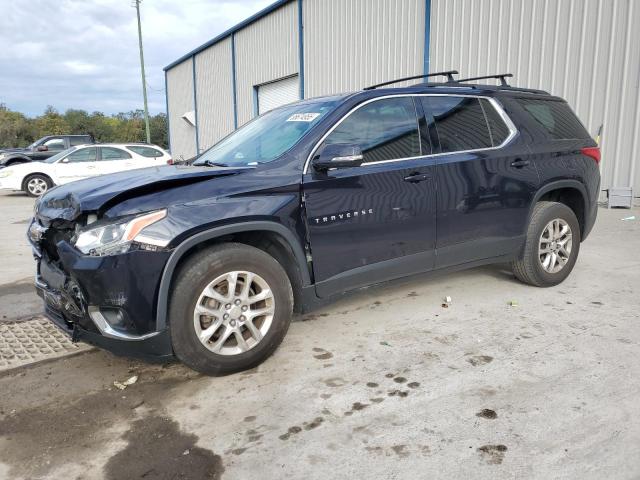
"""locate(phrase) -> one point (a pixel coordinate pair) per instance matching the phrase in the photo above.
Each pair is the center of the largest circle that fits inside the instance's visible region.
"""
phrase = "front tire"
(551, 247)
(37, 184)
(230, 308)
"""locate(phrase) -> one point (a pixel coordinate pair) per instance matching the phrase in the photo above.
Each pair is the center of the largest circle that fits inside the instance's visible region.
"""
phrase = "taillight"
(170, 161)
(593, 152)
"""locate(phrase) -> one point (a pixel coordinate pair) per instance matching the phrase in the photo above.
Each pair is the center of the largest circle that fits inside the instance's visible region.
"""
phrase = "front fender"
(216, 232)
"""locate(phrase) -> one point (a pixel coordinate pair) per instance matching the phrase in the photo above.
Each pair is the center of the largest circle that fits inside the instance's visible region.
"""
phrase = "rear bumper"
(591, 215)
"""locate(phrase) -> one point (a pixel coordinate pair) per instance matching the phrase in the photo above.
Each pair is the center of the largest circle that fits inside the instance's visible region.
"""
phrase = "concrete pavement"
(18, 300)
(385, 383)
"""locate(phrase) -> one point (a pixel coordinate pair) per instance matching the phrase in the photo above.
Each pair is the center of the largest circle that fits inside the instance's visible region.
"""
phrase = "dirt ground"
(385, 383)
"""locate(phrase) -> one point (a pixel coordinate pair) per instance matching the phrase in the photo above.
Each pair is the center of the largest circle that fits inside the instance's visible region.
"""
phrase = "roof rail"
(449, 74)
(501, 76)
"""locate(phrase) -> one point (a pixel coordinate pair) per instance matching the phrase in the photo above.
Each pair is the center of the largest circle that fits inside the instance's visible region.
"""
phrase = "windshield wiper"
(209, 163)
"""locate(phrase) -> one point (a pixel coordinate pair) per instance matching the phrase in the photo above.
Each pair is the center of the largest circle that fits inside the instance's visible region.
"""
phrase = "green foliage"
(17, 130)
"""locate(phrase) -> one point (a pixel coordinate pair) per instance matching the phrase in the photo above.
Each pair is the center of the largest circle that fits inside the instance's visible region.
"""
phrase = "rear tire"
(37, 184)
(216, 317)
(551, 247)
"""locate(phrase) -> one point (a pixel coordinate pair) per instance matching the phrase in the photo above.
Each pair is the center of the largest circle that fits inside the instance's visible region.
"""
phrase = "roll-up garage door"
(280, 92)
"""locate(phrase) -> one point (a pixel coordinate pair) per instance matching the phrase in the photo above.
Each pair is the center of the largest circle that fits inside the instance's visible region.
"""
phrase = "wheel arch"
(17, 159)
(250, 233)
(569, 192)
(25, 179)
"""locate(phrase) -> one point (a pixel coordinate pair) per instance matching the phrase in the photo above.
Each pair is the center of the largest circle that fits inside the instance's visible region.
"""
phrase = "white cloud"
(81, 68)
(84, 53)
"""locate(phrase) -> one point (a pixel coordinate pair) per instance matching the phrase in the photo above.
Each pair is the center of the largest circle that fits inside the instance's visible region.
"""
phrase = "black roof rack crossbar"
(502, 76)
(449, 74)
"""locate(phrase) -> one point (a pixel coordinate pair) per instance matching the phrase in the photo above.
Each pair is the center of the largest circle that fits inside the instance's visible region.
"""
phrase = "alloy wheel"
(37, 186)
(234, 313)
(554, 249)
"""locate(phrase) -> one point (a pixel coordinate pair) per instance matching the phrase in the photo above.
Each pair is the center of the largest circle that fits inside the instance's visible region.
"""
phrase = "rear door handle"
(417, 177)
(519, 163)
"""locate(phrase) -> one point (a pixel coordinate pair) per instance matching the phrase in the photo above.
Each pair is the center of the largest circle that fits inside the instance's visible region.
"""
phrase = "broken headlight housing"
(117, 237)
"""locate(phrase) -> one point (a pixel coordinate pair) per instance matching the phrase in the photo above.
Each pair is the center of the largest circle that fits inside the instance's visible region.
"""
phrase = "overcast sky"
(84, 53)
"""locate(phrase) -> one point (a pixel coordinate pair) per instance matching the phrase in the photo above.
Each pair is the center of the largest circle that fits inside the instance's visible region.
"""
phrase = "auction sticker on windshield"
(303, 117)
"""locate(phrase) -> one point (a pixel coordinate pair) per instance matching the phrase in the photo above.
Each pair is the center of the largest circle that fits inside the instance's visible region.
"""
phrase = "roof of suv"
(460, 86)
(453, 88)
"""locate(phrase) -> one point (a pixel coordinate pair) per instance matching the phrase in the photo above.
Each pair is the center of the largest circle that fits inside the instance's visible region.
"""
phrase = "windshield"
(59, 156)
(268, 136)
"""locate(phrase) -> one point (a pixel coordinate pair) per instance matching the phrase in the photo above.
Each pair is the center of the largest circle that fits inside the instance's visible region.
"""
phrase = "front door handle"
(417, 177)
(519, 163)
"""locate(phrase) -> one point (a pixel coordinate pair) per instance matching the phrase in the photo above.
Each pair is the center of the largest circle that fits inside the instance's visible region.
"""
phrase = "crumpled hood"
(66, 202)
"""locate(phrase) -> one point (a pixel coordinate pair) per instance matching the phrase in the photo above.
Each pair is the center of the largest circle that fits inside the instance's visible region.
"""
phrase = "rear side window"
(110, 153)
(460, 122)
(556, 117)
(73, 141)
(145, 151)
(384, 129)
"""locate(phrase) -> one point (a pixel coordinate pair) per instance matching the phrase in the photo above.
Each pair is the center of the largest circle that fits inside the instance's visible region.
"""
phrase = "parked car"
(41, 149)
(79, 162)
(208, 262)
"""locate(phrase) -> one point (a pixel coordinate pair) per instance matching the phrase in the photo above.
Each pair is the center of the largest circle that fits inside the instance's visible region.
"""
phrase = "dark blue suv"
(207, 262)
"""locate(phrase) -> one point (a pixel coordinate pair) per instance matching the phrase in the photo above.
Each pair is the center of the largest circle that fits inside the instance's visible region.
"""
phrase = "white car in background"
(82, 161)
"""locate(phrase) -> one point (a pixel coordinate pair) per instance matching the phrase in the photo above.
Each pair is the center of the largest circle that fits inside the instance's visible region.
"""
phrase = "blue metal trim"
(166, 101)
(256, 104)
(427, 35)
(233, 80)
(232, 30)
(195, 103)
(300, 49)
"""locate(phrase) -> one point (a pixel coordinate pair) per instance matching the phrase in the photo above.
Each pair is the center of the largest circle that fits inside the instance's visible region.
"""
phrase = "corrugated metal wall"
(587, 51)
(265, 51)
(180, 101)
(214, 90)
(351, 44)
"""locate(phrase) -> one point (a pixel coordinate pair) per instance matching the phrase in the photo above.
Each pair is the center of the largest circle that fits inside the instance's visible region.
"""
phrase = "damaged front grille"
(46, 238)
(60, 292)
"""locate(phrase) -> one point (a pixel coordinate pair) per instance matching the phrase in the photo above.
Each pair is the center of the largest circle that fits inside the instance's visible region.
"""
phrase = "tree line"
(18, 130)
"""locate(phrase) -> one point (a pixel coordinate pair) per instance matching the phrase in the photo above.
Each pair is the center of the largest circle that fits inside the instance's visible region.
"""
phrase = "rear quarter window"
(145, 151)
(555, 117)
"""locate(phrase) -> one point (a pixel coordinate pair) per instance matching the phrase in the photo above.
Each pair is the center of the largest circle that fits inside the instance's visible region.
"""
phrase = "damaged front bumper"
(108, 302)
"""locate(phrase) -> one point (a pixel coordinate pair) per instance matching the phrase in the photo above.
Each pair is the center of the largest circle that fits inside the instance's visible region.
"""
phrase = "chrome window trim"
(513, 131)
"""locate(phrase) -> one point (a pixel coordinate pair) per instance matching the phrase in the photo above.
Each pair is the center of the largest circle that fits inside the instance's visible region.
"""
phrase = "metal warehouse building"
(587, 51)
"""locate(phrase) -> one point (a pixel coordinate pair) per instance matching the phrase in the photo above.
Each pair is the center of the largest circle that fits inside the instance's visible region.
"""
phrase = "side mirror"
(65, 160)
(42, 148)
(339, 155)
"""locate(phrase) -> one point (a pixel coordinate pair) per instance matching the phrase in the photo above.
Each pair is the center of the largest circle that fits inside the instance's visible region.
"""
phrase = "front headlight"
(2, 156)
(115, 238)
(5, 172)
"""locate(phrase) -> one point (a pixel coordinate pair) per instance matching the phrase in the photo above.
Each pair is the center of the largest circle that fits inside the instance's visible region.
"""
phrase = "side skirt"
(312, 301)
